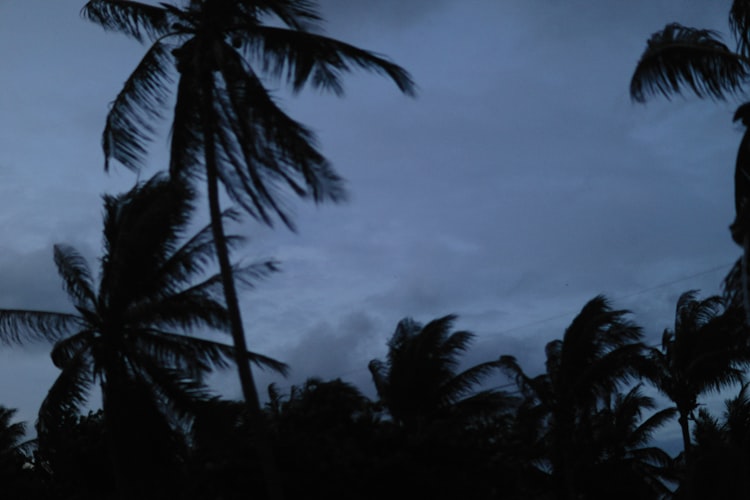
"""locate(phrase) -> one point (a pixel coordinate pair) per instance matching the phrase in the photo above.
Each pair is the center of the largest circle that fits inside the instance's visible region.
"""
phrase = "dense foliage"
(585, 428)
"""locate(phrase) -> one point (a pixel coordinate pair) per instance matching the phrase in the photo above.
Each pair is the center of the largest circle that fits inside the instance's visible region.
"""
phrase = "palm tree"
(705, 352)
(14, 479)
(681, 58)
(626, 464)
(227, 127)
(419, 384)
(721, 453)
(599, 352)
(133, 335)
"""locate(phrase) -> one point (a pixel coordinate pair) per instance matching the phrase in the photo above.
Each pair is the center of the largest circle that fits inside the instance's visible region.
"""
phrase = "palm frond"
(187, 311)
(68, 348)
(18, 326)
(732, 288)
(487, 402)
(190, 260)
(130, 121)
(300, 15)
(138, 20)
(739, 22)
(141, 230)
(300, 57)
(176, 350)
(10, 433)
(679, 58)
(741, 225)
(379, 374)
(176, 397)
(200, 305)
(265, 146)
(69, 391)
(76, 276)
(648, 427)
(186, 148)
(465, 382)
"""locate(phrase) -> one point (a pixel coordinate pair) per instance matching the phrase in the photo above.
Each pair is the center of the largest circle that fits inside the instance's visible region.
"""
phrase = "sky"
(521, 182)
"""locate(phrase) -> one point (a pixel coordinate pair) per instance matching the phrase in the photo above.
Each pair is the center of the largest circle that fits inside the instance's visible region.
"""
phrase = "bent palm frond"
(465, 382)
(283, 149)
(300, 57)
(168, 347)
(739, 22)
(679, 57)
(18, 326)
(76, 276)
(69, 391)
(300, 15)
(66, 349)
(130, 121)
(138, 20)
(645, 431)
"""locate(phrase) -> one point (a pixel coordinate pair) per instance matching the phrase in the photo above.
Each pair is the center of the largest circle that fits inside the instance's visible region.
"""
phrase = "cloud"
(395, 14)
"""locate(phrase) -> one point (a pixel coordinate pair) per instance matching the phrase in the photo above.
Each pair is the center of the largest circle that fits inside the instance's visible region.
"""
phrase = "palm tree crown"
(419, 381)
(705, 352)
(599, 352)
(221, 49)
(133, 333)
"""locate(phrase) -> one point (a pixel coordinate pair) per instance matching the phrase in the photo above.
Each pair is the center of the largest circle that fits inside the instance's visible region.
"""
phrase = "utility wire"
(569, 314)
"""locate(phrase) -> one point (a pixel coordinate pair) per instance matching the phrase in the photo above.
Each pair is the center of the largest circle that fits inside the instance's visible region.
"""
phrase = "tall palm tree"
(227, 127)
(706, 351)
(599, 352)
(133, 333)
(681, 58)
(419, 382)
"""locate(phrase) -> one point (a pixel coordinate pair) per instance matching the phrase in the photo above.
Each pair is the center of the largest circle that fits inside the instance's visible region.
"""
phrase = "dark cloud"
(518, 185)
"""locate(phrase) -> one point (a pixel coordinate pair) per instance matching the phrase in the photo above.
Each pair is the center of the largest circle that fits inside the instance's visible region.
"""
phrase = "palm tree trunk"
(685, 426)
(249, 391)
(744, 270)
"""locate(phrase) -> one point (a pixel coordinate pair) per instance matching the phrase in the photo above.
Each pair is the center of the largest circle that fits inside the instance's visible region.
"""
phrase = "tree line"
(584, 428)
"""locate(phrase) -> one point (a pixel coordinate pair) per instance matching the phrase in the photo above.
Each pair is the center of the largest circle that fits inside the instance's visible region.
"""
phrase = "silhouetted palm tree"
(14, 479)
(132, 334)
(599, 352)
(11, 440)
(625, 463)
(227, 127)
(419, 382)
(705, 352)
(721, 454)
(680, 58)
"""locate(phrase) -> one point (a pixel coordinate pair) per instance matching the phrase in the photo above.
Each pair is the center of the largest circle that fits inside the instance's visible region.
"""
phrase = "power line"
(569, 314)
(621, 297)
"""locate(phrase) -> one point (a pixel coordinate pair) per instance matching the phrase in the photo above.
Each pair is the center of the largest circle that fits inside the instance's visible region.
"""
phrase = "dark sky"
(519, 184)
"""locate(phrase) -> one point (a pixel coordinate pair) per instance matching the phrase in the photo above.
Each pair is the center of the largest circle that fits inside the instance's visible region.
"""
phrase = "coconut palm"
(706, 351)
(133, 333)
(15, 478)
(681, 58)
(419, 382)
(599, 352)
(11, 443)
(625, 463)
(227, 127)
(721, 454)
